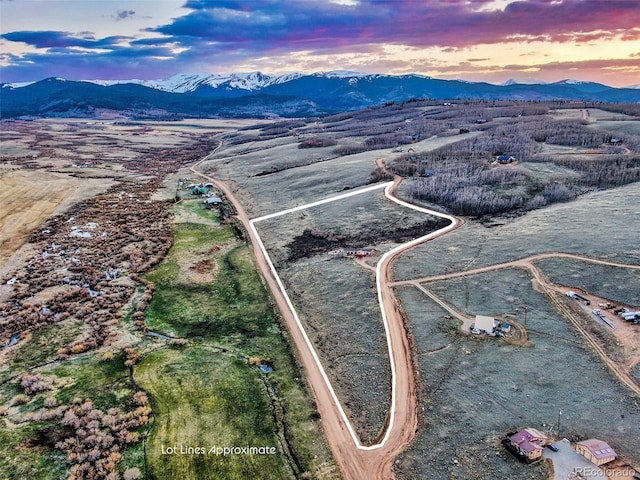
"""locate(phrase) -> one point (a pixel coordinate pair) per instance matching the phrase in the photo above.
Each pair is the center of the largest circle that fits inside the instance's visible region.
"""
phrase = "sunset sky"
(477, 40)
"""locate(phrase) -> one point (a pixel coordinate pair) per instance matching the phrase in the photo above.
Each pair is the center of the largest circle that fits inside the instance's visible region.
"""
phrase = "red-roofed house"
(597, 451)
(528, 443)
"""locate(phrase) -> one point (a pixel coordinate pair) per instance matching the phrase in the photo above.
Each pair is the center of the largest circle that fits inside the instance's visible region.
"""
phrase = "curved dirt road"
(356, 461)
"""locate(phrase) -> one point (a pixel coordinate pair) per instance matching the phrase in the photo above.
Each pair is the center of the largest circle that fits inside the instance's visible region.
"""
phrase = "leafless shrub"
(132, 474)
(36, 383)
(94, 439)
(318, 142)
(20, 399)
(132, 357)
(379, 175)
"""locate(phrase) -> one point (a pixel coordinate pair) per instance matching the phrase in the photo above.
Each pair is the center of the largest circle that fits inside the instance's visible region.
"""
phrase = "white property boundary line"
(387, 187)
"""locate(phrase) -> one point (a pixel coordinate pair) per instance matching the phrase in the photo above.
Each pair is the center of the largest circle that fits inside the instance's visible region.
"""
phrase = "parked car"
(552, 447)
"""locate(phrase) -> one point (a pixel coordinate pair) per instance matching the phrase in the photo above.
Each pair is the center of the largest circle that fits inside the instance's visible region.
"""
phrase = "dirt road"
(356, 461)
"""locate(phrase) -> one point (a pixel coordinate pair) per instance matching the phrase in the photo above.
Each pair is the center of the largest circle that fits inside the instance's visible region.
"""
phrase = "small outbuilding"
(486, 324)
(212, 202)
(597, 451)
(504, 159)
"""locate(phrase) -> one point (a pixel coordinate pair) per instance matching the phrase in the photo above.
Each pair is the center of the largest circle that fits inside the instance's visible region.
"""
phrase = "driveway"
(569, 465)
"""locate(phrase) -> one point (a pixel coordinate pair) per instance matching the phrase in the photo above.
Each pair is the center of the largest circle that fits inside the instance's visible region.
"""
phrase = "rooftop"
(599, 448)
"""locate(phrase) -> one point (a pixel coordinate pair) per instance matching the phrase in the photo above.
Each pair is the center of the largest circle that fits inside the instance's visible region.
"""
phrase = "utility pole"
(559, 416)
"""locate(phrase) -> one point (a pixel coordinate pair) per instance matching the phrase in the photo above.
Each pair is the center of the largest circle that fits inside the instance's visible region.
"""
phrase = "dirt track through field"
(554, 293)
(356, 461)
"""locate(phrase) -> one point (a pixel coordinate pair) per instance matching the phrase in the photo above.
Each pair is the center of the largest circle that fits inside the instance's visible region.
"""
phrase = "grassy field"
(317, 175)
(27, 198)
(335, 297)
(208, 393)
(614, 283)
(202, 398)
(620, 127)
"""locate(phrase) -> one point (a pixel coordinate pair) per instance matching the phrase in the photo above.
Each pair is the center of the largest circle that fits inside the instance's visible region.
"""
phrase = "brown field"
(28, 197)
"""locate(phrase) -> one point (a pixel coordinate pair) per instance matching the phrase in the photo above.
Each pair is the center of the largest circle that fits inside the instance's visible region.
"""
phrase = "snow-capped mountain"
(342, 74)
(522, 81)
(255, 94)
(189, 82)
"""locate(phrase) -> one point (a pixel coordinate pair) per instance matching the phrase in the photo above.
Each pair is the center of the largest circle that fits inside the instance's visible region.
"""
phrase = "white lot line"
(387, 187)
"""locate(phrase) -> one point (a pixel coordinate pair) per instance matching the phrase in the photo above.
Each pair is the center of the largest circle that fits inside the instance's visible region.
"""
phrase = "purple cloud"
(275, 24)
(229, 32)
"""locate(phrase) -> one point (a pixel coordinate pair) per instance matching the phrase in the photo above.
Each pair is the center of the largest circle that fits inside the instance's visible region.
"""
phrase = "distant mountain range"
(257, 95)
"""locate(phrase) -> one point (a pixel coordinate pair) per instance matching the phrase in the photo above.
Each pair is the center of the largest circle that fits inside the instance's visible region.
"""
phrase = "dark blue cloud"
(153, 41)
(81, 65)
(57, 39)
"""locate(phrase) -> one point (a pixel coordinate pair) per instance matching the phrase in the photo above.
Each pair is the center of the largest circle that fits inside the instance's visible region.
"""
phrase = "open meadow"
(475, 390)
(600, 225)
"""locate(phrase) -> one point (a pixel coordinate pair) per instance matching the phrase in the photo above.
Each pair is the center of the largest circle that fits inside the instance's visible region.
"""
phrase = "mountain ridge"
(255, 94)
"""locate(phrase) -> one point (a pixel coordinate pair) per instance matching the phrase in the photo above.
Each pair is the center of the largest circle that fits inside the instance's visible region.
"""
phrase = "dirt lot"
(614, 283)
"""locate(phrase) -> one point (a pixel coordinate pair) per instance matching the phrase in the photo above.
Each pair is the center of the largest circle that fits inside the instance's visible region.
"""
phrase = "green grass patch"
(202, 399)
(41, 348)
(105, 383)
(235, 302)
(18, 461)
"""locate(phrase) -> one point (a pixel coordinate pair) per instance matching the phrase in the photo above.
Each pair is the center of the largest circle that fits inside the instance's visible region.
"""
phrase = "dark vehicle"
(552, 447)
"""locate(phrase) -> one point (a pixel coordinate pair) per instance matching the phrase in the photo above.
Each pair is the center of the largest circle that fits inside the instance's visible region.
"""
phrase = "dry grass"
(28, 197)
(601, 224)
